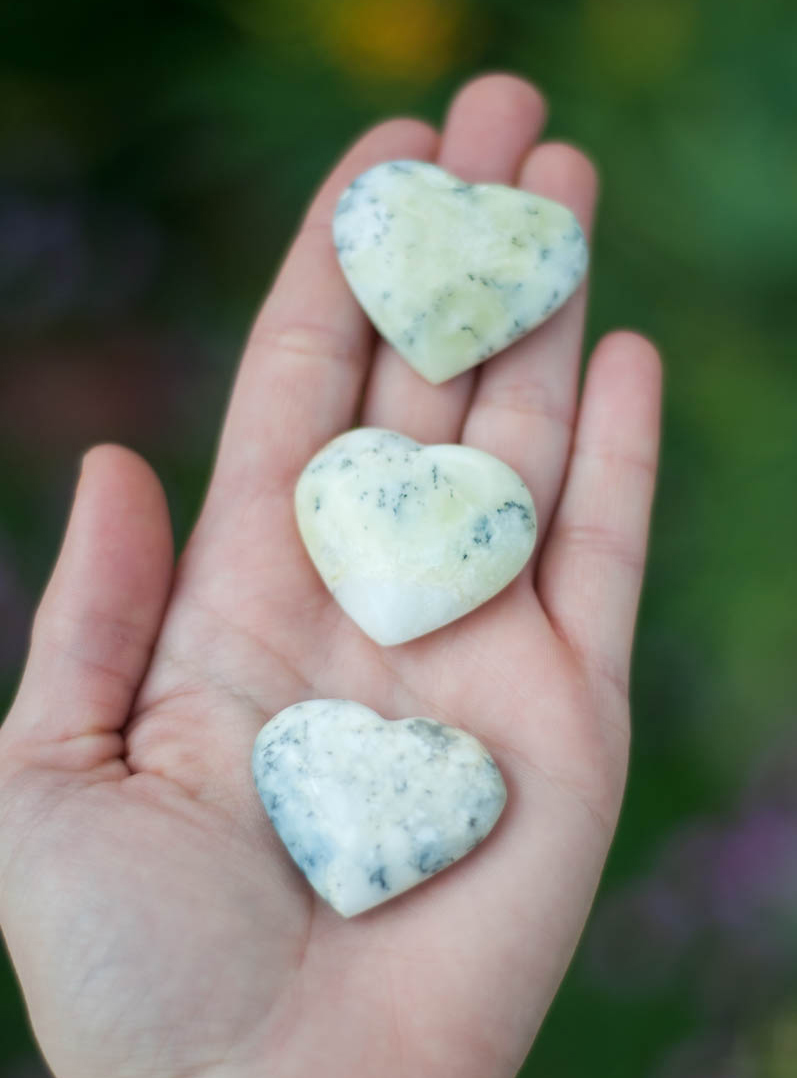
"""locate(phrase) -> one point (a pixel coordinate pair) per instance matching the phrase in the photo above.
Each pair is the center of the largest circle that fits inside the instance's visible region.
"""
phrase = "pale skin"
(156, 924)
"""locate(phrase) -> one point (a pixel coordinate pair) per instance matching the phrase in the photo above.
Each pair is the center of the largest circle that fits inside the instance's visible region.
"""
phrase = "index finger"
(304, 366)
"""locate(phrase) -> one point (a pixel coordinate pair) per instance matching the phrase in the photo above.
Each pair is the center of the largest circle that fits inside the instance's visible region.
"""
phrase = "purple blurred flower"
(65, 257)
(43, 261)
(721, 901)
(753, 871)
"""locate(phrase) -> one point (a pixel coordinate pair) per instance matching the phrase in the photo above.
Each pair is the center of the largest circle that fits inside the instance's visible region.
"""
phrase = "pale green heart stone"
(450, 272)
(369, 808)
(410, 537)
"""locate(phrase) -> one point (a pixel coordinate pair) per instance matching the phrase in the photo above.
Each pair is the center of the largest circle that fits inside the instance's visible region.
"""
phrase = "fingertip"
(628, 346)
(491, 122)
(620, 410)
(628, 363)
(112, 475)
(109, 460)
(403, 129)
(563, 172)
(502, 93)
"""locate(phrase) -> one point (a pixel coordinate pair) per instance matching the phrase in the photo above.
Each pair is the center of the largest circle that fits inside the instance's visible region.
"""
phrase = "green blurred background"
(154, 160)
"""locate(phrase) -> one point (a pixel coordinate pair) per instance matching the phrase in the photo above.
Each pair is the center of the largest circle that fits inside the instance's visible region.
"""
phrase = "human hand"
(156, 923)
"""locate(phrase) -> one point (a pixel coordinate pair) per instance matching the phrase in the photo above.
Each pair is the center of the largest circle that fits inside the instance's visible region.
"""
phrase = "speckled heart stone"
(369, 808)
(410, 537)
(451, 272)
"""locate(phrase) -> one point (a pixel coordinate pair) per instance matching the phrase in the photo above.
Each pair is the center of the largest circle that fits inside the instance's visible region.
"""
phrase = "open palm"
(157, 925)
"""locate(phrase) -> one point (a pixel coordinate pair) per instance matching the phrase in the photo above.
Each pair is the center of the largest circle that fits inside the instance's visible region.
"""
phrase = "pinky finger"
(591, 568)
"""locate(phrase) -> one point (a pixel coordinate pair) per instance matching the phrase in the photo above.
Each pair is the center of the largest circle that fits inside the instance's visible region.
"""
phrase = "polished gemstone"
(368, 808)
(410, 537)
(451, 272)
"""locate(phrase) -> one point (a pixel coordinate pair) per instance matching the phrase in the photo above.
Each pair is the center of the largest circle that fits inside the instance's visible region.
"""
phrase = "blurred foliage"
(154, 161)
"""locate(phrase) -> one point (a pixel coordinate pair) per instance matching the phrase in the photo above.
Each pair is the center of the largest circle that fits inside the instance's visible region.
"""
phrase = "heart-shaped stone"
(369, 808)
(410, 537)
(452, 272)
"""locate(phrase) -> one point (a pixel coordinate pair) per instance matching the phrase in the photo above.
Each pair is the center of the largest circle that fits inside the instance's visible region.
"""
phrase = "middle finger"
(491, 124)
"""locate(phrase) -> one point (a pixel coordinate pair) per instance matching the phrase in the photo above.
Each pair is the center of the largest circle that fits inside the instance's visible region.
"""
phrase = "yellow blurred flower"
(376, 41)
(390, 40)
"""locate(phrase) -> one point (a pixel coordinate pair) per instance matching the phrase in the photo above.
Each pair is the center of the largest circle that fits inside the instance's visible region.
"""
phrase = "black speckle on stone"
(481, 532)
(347, 462)
(431, 860)
(401, 497)
(398, 166)
(515, 507)
(435, 476)
(545, 254)
(379, 878)
(472, 276)
(317, 503)
(381, 501)
(464, 557)
(472, 821)
(432, 733)
(386, 295)
(469, 329)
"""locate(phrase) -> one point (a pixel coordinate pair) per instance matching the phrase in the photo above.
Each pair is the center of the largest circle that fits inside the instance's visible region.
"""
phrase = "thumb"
(99, 617)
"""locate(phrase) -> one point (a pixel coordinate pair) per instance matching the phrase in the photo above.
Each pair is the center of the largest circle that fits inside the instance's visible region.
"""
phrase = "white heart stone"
(410, 537)
(452, 272)
(369, 808)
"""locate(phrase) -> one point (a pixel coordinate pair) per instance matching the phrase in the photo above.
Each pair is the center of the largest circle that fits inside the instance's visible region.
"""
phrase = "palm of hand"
(157, 899)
